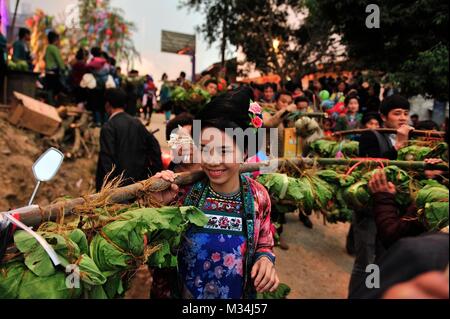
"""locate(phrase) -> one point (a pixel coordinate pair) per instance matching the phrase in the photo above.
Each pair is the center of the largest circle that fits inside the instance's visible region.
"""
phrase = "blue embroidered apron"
(212, 260)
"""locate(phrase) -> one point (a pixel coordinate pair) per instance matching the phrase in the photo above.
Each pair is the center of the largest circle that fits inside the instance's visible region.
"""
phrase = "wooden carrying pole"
(35, 215)
(435, 134)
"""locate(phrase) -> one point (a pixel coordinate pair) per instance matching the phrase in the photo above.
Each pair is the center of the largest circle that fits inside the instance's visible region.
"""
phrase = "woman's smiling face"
(221, 159)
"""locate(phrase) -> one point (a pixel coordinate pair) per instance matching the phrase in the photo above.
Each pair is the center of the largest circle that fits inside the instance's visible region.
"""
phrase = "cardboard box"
(34, 115)
(292, 144)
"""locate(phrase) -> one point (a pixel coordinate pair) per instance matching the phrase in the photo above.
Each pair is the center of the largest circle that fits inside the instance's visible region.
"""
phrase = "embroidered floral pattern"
(218, 222)
(259, 239)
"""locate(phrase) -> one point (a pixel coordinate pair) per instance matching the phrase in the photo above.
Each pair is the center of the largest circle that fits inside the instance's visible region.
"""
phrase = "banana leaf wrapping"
(432, 203)
(124, 242)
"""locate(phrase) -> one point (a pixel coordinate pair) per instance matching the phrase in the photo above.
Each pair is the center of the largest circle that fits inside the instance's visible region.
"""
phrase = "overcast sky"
(150, 17)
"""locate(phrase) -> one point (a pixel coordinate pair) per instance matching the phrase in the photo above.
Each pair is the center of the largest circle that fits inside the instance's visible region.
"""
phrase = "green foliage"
(411, 43)
(413, 153)
(125, 242)
(106, 27)
(32, 275)
(191, 98)
(282, 292)
(425, 74)
(329, 149)
(432, 202)
(253, 26)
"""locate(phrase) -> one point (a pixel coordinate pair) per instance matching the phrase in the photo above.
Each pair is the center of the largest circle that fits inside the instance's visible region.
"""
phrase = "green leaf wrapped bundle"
(329, 149)
(121, 245)
(280, 186)
(32, 275)
(413, 153)
(439, 151)
(432, 202)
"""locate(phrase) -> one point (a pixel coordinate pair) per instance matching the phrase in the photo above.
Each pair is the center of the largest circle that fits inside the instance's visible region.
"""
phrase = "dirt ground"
(19, 148)
(315, 266)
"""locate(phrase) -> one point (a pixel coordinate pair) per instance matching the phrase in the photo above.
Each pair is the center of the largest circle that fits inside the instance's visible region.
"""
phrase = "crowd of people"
(373, 232)
(237, 260)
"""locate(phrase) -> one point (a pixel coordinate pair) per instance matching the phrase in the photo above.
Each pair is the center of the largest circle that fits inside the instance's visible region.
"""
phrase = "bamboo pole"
(35, 215)
(13, 25)
(437, 134)
(297, 115)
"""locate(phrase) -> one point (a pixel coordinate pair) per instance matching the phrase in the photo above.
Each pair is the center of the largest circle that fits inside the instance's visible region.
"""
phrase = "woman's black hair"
(52, 37)
(80, 55)
(183, 119)
(96, 52)
(23, 32)
(301, 99)
(229, 111)
(349, 98)
(281, 93)
(371, 116)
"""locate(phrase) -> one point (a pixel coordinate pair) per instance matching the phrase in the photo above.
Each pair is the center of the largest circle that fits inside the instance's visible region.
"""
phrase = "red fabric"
(338, 108)
(96, 64)
(79, 69)
(16, 216)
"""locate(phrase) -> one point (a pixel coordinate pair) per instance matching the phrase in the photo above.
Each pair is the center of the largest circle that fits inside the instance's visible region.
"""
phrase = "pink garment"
(96, 64)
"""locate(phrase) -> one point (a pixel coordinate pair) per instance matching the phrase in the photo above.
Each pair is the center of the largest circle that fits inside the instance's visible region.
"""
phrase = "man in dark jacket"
(125, 144)
(395, 114)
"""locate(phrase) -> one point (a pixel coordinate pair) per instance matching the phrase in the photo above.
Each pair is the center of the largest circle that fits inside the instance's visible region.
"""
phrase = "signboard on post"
(179, 43)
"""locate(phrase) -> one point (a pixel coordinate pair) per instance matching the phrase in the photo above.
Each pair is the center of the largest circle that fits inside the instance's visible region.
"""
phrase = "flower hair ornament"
(180, 138)
(255, 114)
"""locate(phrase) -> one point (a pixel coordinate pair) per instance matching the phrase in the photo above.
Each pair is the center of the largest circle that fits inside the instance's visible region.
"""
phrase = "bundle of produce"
(432, 204)
(31, 274)
(331, 149)
(317, 194)
(107, 258)
(191, 98)
(148, 235)
(282, 187)
(18, 66)
(439, 151)
(339, 179)
(339, 210)
(308, 193)
(358, 195)
(413, 153)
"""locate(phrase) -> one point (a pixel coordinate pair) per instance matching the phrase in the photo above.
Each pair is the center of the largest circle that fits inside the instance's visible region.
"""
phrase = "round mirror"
(46, 167)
